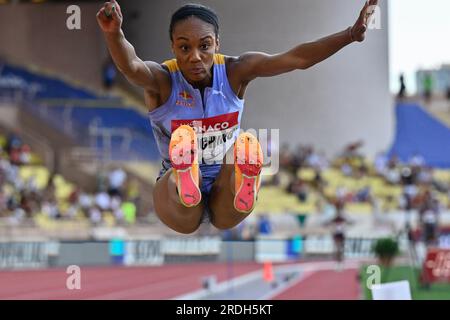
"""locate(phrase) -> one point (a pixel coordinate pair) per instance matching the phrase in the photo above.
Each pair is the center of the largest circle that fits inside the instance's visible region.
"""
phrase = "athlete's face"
(194, 44)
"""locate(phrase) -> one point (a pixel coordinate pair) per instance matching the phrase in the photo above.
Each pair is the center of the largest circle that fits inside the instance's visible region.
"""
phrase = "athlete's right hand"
(110, 17)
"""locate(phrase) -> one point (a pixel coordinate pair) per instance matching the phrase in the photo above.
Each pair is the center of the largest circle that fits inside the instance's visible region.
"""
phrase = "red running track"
(324, 285)
(163, 282)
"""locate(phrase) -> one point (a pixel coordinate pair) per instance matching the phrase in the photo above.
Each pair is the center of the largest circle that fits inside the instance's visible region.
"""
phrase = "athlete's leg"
(224, 215)
(177, 195)
(228, 210)
(169, 208)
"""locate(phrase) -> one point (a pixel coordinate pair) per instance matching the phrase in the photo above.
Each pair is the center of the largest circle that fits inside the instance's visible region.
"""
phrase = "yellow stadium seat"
(442, 175)
(109, 219)
(306, 174)
(358, 208)
(3, 141)
(62, 188)
(40, 173)
(35, 159)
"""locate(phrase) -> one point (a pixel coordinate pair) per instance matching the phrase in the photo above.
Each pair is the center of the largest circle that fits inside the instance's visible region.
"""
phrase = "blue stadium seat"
(143, 144)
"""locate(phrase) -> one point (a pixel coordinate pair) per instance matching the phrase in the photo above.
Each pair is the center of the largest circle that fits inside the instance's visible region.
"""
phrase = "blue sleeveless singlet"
(216, 118)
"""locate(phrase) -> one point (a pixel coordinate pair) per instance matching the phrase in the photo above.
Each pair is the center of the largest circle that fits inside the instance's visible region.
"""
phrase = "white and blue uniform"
(215, 117)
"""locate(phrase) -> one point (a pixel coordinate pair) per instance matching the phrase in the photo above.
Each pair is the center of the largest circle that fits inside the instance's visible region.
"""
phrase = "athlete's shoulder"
(244, 61)
(157, 68)
(244, 58)
(238, 66)
(231, 62)
(161, 74)
(170, 65)
(230, 59)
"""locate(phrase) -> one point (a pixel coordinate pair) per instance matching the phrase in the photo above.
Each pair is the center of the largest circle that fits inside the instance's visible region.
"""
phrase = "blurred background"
(364, 156)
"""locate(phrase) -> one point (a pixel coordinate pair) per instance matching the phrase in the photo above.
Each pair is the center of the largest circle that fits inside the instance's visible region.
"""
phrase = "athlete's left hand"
(360, 27)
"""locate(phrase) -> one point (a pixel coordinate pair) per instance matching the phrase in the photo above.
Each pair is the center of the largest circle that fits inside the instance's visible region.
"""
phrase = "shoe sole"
(248, 164)
(183, 158)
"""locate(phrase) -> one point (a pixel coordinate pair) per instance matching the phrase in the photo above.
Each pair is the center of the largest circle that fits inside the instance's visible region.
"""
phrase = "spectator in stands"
(74, 196)
(31, 184)
(428, 87)
(392, 174)
(318, 183)
(2, 176)
(132, 191)
(448, 96)
(264, 225)
(417, 160)
(412, 240)
(297, 160)
(129, 210)
(50, 209)
(249, 231)
(10, 171)
(342, 193)
(103, 201)
(85, 202)
(408, 176)
(116, 208)
(3, 201)
(285, 156)
(299, 189)
(364, 194)
(116, 178)
(380, 164)
(317, 161)
(425, 175)
(429, 218)
(25, 154)
(49, 191)
(25, 203)
(402, 92)
(352, 150)
(13, 142)
(347, 170)
(95, 215)
(338, 224)
(109, 74)
(73, 201)
(407, 199)
(18, 216)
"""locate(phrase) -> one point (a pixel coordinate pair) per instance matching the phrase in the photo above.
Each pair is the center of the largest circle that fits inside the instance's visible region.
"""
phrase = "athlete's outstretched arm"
(132, 67)
(251, 65)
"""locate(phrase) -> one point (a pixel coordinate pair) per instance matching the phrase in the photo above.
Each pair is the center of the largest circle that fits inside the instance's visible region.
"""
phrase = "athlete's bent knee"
(185, 229)
(221, 225)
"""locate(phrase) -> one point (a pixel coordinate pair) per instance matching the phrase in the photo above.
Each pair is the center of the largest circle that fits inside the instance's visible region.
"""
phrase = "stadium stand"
(306, 183)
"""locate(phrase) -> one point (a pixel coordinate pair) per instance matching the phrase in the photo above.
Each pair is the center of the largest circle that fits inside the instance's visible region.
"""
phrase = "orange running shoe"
(183, 157)
(248, 161)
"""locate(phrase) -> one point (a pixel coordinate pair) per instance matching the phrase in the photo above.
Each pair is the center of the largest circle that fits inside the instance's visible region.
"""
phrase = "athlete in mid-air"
(195, 106)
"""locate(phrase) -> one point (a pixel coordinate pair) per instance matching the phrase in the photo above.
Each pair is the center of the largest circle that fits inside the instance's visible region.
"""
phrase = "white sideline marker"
(392, 291)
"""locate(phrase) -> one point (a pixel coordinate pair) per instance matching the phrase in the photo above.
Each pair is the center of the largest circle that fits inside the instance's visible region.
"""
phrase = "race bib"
(215, 135)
